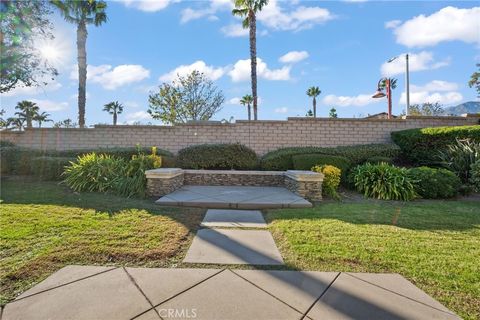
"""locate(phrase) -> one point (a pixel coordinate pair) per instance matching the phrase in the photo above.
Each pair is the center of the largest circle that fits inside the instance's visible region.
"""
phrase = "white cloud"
(49, 105)
(234, 101)
(294, 57)
(436, 85)
(274, 17)
(439, 91)
(22, 90)
(281, 110)
(347, 101)
(214, 6)
(210, 72)
(448, 24)
(137, 116)
(234, 30)
(392, 24)
(147, 5)
(241, 71)
(417, 62)
(110, 78)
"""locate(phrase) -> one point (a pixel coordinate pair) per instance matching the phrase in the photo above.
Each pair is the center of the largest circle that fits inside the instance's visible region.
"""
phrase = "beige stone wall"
(262, 136)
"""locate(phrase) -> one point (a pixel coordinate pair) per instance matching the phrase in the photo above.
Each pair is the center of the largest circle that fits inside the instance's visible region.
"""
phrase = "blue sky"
(339, 46)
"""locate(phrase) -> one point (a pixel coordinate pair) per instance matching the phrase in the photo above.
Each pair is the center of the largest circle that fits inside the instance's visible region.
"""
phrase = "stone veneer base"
(306, 184)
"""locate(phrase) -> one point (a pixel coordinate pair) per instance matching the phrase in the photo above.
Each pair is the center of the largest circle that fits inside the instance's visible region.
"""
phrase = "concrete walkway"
(89, 293)
(216, 245)
(233, 197)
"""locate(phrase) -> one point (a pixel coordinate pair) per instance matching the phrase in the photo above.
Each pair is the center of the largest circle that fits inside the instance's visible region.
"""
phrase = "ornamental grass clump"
(331, 179)
(383, 181)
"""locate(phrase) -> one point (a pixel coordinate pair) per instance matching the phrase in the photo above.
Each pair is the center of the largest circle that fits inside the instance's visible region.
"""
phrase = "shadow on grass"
(24, 190)
(449, 215)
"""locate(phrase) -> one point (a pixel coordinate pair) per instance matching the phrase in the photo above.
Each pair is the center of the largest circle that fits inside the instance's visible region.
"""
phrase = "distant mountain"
(466, 107)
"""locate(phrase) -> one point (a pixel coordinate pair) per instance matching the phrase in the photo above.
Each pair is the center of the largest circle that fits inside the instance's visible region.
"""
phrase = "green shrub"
(133, 182)
(18, 160)
(331, 179)
(417, 144)
(433, 183)
(282, 159)
(217, 156)
(5, 143)
(307, 161)
(380, 159)
(383, 181)
(475, 175)
(49, 168)
(459, 157)
(94, 172)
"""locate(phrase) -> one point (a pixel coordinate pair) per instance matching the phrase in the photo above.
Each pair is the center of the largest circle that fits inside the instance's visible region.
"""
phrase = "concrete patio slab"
(234, 218)
(224, 246)
(233, 197)
(376, 296)
(64, 276)
(161, 284)
(110, 295)
(298, 289)
(152, 294)
(227, 296)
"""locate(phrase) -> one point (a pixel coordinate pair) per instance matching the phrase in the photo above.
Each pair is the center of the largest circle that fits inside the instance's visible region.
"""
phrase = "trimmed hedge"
(380, 159)
(308, 161)
(420, 145)
(282, 159)
(18, 160)
(433, 183)
(217, 156)
(49, 168)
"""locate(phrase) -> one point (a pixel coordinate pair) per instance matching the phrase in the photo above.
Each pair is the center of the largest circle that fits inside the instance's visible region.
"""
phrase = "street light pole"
(407, 85)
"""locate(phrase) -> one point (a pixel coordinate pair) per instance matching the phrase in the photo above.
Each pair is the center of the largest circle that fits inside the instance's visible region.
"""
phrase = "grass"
(434, 244)
(45, 226)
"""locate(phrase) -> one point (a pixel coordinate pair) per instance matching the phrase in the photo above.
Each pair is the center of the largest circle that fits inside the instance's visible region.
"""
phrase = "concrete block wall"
(261, 136)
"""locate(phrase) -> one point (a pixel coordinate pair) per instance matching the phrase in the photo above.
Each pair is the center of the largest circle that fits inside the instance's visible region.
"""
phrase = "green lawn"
(44, 226)
(434, 244)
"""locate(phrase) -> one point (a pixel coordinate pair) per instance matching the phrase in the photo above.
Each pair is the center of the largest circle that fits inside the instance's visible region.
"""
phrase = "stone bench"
(163, 181)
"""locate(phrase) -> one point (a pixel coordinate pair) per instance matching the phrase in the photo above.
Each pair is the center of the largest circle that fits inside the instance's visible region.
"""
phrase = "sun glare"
(50, 53)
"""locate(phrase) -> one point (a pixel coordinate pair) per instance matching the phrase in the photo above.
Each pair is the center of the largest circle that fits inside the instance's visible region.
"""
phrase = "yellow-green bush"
(331, 179)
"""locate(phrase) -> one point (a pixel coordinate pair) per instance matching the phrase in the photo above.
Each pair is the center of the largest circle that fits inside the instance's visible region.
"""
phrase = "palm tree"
(247, 101)
(42, 117)
(248, 9)
(114, 108)
(393, 83)
(15, 123)
(28, 111)
(314, 92)
(81, 13)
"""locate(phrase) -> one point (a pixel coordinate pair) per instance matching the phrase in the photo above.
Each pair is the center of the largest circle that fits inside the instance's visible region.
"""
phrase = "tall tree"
(28, 110)
(314, 92)
(247, 101)
(41, 118)
(333, 113)
(22, 22)
(114, 108)
(248, 10)
(475, 80)
(81, 13)
(15, 123)
(192, 97)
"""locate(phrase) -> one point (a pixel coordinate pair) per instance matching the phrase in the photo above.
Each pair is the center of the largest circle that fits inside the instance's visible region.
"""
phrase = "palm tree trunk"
(314, 107)
(114, 118)
(82, 71)
(249, 112)
(29, 121)
(253, 59)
